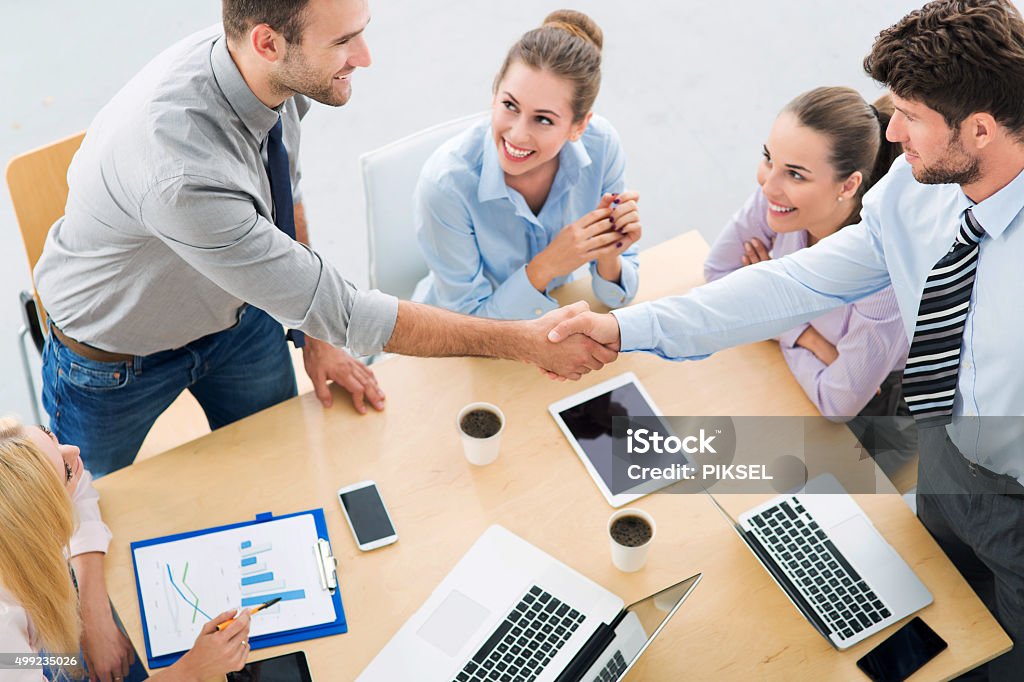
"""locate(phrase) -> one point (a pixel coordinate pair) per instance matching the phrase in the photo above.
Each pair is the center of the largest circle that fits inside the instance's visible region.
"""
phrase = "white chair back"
(389, 179)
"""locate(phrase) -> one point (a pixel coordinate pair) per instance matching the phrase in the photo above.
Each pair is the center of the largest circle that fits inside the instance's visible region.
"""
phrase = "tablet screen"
(590, 423)
(285, 668)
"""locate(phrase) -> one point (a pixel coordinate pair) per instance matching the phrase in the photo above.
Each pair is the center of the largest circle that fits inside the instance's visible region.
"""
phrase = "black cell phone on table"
(285, 668)
(903, 653)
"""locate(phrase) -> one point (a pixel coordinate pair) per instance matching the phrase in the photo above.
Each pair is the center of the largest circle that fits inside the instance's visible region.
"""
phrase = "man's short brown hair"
(284, 16)
(956, 57)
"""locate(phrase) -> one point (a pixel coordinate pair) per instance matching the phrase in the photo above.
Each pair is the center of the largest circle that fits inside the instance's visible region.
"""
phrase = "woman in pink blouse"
(825, 150)
(49, 513)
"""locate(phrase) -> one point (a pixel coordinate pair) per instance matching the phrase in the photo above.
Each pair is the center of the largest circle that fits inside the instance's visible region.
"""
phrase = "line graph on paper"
(192, 599)
(185, 583)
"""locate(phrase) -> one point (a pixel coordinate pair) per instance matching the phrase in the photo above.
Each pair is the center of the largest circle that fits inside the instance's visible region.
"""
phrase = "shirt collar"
(997, 212)
(572, 159)
(257, 117)
(492, 178)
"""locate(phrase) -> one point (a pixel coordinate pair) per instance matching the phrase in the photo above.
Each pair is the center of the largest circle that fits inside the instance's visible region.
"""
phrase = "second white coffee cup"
(630, 558)
(480, 451)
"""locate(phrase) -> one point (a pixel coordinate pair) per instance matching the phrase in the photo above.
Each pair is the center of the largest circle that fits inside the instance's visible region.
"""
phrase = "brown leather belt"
(88, 352)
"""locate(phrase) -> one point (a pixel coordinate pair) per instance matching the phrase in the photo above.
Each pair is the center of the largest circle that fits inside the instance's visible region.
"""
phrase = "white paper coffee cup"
(480, 451)
(630, 559)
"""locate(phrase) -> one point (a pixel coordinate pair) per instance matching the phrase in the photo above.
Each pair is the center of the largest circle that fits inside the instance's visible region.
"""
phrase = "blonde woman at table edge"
(491, 204)
(47, 503)
(826, 148)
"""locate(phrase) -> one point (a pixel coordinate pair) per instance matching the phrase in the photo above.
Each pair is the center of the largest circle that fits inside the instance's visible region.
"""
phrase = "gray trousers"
(979, 523)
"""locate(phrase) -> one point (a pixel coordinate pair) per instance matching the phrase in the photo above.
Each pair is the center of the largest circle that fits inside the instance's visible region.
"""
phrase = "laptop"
(509, 611)
(831, 562)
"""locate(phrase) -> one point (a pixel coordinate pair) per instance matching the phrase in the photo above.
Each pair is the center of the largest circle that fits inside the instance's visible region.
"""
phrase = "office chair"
(37, 181)
(38, 184)
(389, 178)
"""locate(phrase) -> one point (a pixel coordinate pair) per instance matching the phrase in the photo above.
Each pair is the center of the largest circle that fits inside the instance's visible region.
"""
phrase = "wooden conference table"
(737, 625)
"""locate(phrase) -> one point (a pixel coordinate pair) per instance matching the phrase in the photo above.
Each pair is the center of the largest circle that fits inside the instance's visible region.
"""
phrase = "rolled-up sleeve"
(91, 535)
(218, 232)
(447, 238)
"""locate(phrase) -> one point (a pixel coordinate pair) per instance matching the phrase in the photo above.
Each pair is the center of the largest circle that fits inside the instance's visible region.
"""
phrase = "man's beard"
(297, 78)
(956, 167)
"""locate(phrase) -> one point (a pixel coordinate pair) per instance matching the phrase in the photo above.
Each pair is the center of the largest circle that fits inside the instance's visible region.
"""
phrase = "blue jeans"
(107, 408)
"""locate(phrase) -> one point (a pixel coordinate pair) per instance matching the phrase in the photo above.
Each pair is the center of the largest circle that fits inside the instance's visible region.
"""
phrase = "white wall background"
(691, 86)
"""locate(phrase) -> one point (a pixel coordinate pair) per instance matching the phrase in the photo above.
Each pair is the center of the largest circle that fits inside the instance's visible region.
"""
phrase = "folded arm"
(873, 346)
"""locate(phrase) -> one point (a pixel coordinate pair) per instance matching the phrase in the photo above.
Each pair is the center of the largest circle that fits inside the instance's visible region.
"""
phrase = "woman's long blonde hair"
(36, 524)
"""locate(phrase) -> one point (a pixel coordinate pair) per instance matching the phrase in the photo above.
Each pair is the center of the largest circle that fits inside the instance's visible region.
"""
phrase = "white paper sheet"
(185, 583)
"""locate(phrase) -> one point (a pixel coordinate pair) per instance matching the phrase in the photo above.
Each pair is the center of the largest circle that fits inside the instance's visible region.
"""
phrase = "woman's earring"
(840, 198)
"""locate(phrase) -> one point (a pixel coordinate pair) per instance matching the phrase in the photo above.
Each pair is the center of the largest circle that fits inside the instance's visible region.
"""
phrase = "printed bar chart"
(258, 578)
(284, 596)
(185, 583)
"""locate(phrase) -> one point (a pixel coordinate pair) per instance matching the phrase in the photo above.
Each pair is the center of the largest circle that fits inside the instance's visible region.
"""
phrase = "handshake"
(571, 341)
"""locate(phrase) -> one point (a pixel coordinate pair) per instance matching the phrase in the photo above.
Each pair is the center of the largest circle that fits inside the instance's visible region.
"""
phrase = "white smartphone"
(367, 516)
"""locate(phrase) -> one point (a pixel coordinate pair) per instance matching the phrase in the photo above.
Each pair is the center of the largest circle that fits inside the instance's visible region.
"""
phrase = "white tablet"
(586, 420)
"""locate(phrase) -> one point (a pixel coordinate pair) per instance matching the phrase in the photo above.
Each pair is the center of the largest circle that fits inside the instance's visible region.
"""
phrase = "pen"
(253, 610)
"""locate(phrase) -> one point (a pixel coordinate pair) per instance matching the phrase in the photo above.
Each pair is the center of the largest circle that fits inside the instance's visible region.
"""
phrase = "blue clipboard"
(335, 627)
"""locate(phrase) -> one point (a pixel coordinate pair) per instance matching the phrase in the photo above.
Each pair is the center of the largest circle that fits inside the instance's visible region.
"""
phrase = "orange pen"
(253, 610)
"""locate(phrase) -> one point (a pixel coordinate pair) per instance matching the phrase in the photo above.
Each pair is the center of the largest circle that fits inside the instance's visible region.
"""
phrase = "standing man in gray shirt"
(184, 246)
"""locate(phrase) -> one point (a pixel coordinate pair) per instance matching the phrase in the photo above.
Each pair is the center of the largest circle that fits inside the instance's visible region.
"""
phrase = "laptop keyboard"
(526, 641)
(611, 671)
(828, 582)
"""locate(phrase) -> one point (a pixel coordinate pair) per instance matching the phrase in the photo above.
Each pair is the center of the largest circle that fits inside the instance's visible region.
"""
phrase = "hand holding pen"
(254, 610)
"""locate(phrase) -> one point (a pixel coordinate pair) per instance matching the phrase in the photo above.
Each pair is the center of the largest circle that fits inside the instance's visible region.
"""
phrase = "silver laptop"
(831, 562)
(509, 611)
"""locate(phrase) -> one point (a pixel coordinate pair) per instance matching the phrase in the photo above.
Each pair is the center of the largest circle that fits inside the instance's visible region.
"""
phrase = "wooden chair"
(38, 184)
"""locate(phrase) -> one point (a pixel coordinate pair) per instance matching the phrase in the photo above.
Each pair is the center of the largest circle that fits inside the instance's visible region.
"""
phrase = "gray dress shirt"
(169, 230)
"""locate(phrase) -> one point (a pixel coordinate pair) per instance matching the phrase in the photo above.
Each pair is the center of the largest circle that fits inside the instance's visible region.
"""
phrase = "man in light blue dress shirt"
(956, 73)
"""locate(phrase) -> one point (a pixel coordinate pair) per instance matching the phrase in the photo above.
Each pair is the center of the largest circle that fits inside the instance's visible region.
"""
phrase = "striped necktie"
(281, 191)
(929, 381)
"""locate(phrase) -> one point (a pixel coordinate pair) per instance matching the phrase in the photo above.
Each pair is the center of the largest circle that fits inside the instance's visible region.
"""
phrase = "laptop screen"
(642, 622)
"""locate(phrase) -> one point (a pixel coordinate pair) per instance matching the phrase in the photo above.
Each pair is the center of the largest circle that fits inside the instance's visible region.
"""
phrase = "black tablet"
(285, 668)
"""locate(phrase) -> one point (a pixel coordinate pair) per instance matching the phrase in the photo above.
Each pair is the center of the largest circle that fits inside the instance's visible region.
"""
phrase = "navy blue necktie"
(281, 192)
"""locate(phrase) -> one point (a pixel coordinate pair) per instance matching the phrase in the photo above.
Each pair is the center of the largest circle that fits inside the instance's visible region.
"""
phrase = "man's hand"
(604, 329)
(570, 359)
(325, 363)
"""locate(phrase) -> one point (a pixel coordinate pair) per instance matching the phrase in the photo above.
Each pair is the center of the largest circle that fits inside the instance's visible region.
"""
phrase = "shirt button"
(967, 364)
(538, 311)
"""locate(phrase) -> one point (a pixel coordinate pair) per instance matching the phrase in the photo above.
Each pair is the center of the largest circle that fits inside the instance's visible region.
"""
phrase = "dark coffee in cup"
(631, 531)
(480, 423)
